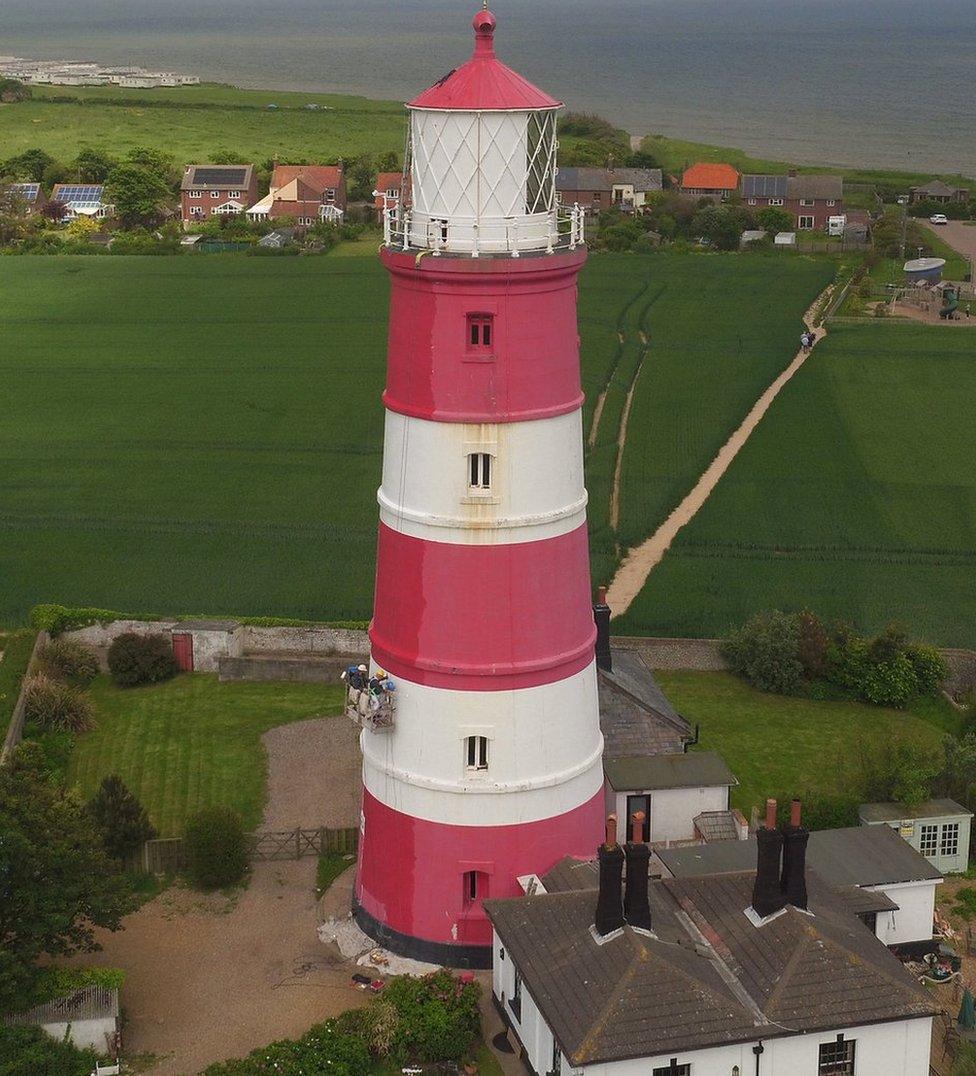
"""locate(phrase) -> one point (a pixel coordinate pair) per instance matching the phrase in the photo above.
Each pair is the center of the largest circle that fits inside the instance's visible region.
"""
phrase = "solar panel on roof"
(220, 177)
(87, 193)
(27, 191)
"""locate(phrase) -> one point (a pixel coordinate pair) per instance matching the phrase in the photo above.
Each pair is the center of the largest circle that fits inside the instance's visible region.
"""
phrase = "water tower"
(492, 768)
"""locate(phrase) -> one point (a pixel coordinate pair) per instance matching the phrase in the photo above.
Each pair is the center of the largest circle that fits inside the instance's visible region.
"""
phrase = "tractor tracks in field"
(641, 560)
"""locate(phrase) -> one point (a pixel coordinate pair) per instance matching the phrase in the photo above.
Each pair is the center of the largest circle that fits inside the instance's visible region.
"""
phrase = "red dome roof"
(484, 82)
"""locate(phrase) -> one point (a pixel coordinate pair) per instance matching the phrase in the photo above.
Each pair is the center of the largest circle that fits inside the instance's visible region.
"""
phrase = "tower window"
(475, 886)
(479, 470)
(479, 330)
(476, 752)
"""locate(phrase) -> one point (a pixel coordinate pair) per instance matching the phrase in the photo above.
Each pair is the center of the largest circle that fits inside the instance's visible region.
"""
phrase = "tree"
(216, 848)
(642, 159)
(13, 90)
(29, 165)
(153, 160)
(774, 220)
(56, 882)
(54, 210)
(82, 228)
(93, 166)
(138, 194)
(121, 819)
(720, 225)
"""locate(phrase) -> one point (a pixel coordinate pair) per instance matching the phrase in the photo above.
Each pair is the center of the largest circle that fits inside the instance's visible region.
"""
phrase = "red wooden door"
(183, 650)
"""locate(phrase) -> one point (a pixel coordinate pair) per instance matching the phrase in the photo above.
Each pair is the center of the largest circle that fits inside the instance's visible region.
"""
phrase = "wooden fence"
(15, 730)
(167, 855)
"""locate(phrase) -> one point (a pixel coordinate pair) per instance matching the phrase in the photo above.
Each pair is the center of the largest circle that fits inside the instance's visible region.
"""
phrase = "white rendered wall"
(673, 810)
(545, 752)
(96, 1034)
(916, 908)
(532, 1030)
(537, 479)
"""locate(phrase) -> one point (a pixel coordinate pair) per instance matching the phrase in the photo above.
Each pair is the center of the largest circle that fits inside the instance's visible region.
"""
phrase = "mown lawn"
(855, 497)
(777, 745)
(191, 742)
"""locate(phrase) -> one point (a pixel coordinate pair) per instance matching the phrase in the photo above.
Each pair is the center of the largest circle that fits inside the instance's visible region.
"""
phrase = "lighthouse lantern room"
(490, 769)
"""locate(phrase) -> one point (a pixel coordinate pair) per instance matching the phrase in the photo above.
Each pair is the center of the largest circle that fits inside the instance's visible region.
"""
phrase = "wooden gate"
(183, 650)
(297, 843)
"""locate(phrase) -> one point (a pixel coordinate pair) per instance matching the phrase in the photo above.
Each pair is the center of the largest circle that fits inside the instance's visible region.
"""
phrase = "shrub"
(898, 769)
(325, 1048)
(811, 645)
(31, 1050)
(764, 652)
(216, 848)
(69, 661)
(890, 683)
(56, 982)
(437, 1017)
(930, 668)
(141, 659)
(121, 819)
(53, 705)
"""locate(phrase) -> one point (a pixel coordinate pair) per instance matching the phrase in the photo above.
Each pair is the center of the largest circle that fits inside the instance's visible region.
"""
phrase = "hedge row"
(57, 619)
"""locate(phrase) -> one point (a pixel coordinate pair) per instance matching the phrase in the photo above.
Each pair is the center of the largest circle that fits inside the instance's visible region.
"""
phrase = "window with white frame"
(476, 753)
(215, 194)
(479, 471)
(805, 223)
(836, 1058)
(928, 840)
(831, 201)
(330, 194)
(775, 201)
(233, 194)
(949, 845)
(392, 192)
(196, 194)
(196, 211)
(752, 201)
(306, 220)
(807, 201)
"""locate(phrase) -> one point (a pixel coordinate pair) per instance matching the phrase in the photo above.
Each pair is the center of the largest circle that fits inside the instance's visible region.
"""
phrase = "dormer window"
(479, 471)
(480, 333)
(330, 194)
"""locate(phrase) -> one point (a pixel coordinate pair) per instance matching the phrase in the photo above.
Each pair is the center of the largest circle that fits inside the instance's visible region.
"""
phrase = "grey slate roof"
(637, 996)
(817, 187)
(937, 188)
(636, 717)
(697, 769)
(764, 186)
(572, 874)
(600, 179)
(895, 812)
(860, 855)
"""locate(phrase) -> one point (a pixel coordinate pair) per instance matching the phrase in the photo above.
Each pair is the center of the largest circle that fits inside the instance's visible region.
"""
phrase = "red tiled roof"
(319, 177)
(388, 181)
(710, 177)
(484, 82)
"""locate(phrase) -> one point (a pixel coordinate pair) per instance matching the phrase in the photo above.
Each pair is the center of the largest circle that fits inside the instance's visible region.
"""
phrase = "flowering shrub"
(323, 1049)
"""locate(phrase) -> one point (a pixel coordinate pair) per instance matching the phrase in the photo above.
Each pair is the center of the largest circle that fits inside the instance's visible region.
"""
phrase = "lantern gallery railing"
(410, 229)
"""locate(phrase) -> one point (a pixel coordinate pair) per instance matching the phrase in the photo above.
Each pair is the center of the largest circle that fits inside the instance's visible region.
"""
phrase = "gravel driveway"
(959, 236)
(209, 978)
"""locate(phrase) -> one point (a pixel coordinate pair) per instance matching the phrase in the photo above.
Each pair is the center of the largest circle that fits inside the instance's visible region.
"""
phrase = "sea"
(880, 83)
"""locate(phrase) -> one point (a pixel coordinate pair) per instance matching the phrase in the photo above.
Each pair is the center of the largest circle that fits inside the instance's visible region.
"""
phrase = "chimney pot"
(795, 812)
(770, 814)
(637, 828)
(611, 839)
(601, 595)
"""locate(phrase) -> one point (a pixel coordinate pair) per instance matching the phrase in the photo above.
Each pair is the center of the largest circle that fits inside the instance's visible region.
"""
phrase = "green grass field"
(785, 746)
(203, 434)
(197, 123)
(856, 497)
(191, 742)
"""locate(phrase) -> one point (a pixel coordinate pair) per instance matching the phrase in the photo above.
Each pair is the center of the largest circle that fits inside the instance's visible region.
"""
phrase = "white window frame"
(196, 194)
(476, 753)
(808, 203)
(928, 840)
(306, 221)
(233, 194)
(776, 201)
(480, 467)
(752, 201)
(949, 839)
(831, 201)
(215, 194)
(808, 227)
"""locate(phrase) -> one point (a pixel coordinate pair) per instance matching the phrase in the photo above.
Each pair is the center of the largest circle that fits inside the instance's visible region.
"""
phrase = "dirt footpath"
(209, 978)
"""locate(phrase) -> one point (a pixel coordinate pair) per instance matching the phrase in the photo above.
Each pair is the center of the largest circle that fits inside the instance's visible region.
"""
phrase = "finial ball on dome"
(484, 23)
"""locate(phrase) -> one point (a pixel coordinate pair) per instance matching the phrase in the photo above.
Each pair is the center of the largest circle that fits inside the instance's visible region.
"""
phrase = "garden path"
(640, 561)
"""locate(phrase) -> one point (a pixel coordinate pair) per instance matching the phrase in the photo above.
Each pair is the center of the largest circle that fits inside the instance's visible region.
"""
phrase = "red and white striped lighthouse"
(492, 768)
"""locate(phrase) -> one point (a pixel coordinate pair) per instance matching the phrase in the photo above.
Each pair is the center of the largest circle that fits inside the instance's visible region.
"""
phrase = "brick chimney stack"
(601, 615)
(794, 877)
(637, 908)
(609, 903)
(767, 894)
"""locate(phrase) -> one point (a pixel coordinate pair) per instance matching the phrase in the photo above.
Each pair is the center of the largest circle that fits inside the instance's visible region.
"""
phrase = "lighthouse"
(490, 768)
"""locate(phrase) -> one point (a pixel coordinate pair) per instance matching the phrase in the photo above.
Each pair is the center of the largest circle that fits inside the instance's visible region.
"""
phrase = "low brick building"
(216, 189)
(596, 189)
(937, 191)
(710, 180)
(389, 188)
(810, 200)
(305, 193)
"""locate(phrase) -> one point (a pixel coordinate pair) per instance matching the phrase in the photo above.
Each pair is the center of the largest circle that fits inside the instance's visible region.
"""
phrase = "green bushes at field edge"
(57, 619)
(17, 648)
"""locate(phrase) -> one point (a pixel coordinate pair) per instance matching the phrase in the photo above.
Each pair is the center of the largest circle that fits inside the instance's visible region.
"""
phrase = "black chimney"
(637, 908)
(601, 614)
(609, 901)
(794, 879)
(767, 894)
